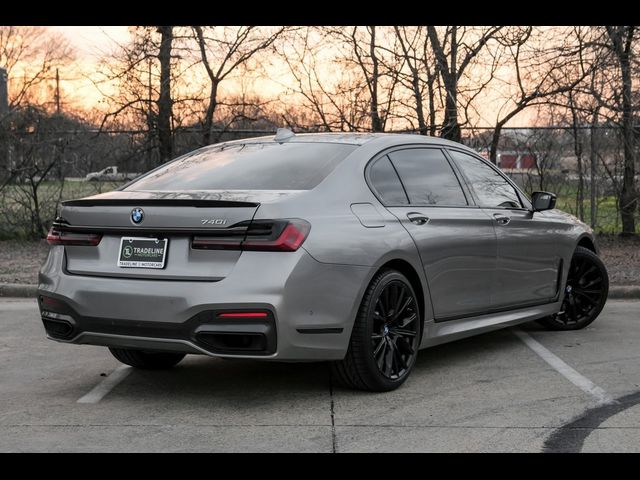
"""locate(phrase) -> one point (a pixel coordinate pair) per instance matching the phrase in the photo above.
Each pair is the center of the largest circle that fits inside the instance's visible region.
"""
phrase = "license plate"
(139, 252)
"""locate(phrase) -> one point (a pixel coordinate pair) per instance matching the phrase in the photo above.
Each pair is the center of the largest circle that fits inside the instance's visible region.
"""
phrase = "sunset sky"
(94, 42)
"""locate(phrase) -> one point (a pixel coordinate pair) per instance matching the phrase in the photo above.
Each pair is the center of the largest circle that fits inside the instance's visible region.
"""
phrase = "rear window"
(257, 166)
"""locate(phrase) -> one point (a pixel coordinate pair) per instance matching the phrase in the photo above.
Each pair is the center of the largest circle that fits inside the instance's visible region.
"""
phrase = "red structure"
(511, 160)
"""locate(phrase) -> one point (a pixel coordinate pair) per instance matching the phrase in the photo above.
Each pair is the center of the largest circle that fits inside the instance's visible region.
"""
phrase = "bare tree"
(165, 104)
(620, 43)
(346, 77)
(325, 92)
(455, 48)
(223, 50)
(30, 56)
(543, 69)
(421, 76)
(153, 92)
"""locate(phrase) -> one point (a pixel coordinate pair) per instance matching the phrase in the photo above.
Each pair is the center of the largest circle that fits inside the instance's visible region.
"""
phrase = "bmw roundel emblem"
(137, 215)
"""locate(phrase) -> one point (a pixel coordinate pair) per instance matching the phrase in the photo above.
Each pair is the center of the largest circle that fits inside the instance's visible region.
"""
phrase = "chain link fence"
(45, 161)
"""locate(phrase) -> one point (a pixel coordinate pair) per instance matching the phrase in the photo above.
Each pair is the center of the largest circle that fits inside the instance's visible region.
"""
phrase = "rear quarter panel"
(337, 235)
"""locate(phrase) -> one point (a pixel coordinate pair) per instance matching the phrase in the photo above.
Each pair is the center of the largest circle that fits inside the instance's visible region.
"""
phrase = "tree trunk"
(376, 121)
(165, 104)
(577, 149)
(415, 83)
(627, 201)
(451, 127)
(449, 74)
(495, 140)
(593, 159)
(432, 107)
(211, 110)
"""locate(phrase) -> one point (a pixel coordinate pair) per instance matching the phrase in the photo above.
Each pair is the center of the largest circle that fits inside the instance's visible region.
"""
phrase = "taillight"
(244, 314)
(289, 240)
(261, 235)
(62, 237)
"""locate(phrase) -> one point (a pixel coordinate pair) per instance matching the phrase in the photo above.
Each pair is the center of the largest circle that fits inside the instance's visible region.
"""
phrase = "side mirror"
(543, 201)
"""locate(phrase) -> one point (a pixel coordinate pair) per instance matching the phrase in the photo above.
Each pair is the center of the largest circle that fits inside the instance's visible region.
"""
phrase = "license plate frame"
(147, 257)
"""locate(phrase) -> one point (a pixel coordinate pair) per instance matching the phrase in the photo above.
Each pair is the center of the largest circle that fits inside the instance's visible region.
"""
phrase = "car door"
(528, 260)
(456, 241)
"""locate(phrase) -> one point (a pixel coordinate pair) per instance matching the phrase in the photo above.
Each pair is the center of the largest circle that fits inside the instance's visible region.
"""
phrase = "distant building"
(516, 160)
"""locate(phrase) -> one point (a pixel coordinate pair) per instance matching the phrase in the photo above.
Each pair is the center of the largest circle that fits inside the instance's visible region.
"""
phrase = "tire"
(384, 342)
(145, 359)
(585, 293)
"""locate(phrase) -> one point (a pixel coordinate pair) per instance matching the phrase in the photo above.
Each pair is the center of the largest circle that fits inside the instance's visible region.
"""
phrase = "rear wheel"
(585, 293)
(385, 338)
(146, 359)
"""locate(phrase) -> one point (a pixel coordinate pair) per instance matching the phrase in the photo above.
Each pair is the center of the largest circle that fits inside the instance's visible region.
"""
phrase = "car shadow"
(201, 376)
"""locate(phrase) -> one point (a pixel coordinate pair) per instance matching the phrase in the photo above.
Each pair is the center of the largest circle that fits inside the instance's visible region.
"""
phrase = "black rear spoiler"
(160, 202)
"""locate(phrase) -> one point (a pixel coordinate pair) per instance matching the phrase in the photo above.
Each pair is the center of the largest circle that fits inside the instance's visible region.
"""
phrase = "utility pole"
(4, 95)
(57, 94)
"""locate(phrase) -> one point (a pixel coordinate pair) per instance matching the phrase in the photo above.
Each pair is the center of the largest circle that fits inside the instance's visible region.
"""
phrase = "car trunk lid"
(175, 216)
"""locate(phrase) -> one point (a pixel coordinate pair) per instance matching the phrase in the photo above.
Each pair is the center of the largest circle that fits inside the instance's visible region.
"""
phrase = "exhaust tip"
(57, 328)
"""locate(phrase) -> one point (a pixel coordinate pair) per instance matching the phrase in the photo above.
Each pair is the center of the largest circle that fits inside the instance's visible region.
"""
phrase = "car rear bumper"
(309, 308)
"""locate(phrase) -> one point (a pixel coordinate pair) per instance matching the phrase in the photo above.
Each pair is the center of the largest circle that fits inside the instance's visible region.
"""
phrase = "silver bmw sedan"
(358, 249)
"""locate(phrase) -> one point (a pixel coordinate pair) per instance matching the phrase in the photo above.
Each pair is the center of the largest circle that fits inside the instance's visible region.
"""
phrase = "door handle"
(417, 218)
(501, 219)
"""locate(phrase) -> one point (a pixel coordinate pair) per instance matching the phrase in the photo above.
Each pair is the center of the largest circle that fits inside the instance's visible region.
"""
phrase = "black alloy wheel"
(385, 338)
(395, 328)
(585, 293)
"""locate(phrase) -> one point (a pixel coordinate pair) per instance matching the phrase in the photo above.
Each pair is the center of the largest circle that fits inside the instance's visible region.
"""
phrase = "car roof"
(349, 138)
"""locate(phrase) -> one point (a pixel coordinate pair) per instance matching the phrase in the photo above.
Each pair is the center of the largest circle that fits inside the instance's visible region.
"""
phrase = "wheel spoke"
(407, 321)
(385, 300)
(403, 332)
(572, 309)
(581, 266)
(589, 271)
(398, 356)
(408, 301)
(388, 360)
(593, 283)
(379, 348)
(382, 354)
(381, 308)
(588, 292)
(585, 297)
(398, 303)
(404, 344)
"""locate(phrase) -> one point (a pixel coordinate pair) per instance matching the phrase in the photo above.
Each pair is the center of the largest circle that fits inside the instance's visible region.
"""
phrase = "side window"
(492, 190)
(385, 181)
(428, 177)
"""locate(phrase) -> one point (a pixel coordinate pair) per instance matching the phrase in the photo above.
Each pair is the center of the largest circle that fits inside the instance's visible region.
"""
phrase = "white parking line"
(104, 387)
(565, 370)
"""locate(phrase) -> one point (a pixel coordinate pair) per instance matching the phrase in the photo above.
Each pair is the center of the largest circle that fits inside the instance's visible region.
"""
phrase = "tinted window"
(258, 166)
(428, 177)
(386, 182)
(490, 187)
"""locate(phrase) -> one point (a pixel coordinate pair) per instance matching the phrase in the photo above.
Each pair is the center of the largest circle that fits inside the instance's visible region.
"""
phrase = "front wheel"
(585, 293)
(385, 338)
(146, 359)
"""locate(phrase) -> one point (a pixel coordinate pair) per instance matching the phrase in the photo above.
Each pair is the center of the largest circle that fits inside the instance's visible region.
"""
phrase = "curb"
(22, 290)
(18, 290)
(624, 291)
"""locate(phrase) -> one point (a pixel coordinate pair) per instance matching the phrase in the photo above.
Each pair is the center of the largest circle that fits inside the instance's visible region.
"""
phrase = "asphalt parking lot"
(499, 392)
